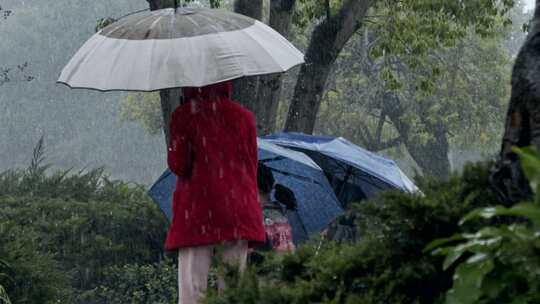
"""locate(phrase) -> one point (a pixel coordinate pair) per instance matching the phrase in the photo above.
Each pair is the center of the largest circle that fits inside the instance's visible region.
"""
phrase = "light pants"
(194, 264)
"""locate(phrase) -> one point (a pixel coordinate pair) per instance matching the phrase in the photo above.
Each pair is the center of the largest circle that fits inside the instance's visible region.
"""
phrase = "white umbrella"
(172, 48)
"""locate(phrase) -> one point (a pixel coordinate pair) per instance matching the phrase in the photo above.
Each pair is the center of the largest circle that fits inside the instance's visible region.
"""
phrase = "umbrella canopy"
(317, 204)
(171, 48)
(354, 172)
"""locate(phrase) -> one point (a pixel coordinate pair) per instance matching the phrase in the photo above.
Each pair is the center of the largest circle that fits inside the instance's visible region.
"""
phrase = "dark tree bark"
(269, 90)
(523, 118)
(170, 99)
(245, 89)
(327, 41)
(250, 8)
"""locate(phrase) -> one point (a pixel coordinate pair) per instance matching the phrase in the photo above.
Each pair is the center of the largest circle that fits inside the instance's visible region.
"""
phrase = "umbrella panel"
(350, 184)
(317, 204)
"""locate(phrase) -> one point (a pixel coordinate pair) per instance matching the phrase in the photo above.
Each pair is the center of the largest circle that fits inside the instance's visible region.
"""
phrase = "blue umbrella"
(317, 203)
(354, 172)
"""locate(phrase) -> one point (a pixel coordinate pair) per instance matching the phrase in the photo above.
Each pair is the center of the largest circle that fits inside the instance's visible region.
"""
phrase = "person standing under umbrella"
(213, 151)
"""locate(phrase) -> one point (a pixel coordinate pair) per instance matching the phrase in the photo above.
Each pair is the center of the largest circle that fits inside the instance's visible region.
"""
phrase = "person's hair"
(285, 196)
(265, 178)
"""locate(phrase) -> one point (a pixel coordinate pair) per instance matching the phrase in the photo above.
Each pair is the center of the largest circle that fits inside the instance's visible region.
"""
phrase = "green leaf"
(439, 242)
(530, 162)
(468, 280)
(4, 296)
(525, 210)
(478, 245)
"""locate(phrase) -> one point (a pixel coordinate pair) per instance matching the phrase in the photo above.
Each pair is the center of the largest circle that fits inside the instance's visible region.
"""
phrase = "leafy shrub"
(499, 263)
(61, 232)
(88, 237)
(386, 264)
(28, 275)
(136, 283)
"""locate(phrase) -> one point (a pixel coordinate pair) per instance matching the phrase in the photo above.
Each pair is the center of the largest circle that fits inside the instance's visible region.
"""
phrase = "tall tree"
(363, 105)
(330, 36)
(327, 41)
(407, 41)
(245, 89)
(269, 89)
(522, 126)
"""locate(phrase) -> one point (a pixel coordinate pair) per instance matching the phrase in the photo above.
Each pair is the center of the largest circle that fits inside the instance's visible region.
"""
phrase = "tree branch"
(380, 125)
(388, 144)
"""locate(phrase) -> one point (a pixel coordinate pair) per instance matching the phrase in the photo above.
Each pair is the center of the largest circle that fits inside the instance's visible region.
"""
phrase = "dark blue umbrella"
(317, 203)
(355, 173)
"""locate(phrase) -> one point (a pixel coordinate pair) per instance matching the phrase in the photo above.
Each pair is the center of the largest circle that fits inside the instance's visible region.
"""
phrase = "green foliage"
(386, 264)
(4, 276)
(28, 275)
(60, 233)
(423, 94)
(4, 298)
(137, 283)
(499, 263)
(144, 108)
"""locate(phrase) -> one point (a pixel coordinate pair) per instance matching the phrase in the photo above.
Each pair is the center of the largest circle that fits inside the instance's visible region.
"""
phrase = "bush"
(387, 263)
(137, 284)
(60, 233)
(500, 262)
(28, 275)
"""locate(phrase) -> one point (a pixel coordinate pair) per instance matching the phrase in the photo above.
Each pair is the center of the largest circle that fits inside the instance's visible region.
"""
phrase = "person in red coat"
(213, 152)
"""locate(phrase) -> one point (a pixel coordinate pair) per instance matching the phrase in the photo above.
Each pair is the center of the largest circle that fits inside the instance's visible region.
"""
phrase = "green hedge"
(386, 264)
(61, 233)
(137, 284)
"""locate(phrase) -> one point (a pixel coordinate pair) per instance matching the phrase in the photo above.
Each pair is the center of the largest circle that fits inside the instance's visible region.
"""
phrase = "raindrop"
(186, 214)
(204, 141)
(220, 172)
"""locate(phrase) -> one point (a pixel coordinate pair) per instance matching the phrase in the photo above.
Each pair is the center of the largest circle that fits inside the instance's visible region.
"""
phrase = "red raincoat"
(213, 151)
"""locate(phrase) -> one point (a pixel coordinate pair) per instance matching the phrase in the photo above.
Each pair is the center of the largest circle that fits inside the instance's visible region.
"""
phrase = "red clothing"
(213, 151)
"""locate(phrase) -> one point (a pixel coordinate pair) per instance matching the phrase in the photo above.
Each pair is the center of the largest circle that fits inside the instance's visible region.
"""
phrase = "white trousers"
(194, 264)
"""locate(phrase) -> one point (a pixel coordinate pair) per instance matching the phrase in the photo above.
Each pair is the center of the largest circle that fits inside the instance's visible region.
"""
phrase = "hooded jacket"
(213, 152)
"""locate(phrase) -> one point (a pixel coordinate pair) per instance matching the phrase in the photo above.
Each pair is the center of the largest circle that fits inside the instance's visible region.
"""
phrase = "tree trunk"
(327, 41)
(523, 118)
(269, 91)
(432, 156)
(245, 89)
(170, 99)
